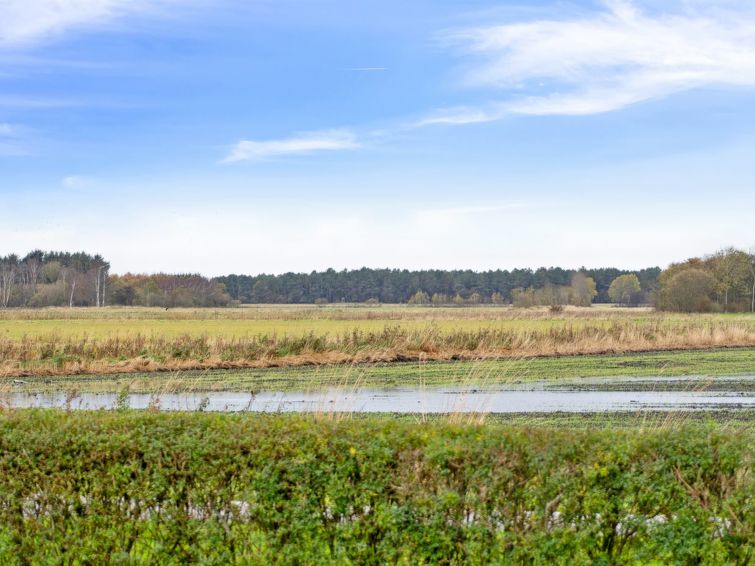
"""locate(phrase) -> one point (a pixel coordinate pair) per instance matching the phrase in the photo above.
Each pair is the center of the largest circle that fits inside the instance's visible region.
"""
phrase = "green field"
(736, 361)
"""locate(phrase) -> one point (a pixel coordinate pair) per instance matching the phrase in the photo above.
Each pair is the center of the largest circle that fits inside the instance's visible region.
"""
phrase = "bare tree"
(98, 270)
(32, 268)
(70, 277)
(104, 283)
(8, 270)
(98, 285)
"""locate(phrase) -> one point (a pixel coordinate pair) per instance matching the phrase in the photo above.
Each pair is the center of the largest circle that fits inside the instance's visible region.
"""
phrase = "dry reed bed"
(55, 355)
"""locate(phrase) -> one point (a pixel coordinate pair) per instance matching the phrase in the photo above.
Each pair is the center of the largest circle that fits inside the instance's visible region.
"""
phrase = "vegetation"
(713, 363)
(175, 488)
(43, 279)
(209, 488)
(724, 281)
(35, 342)
(53, 278)
(167, 290)
(64, 279)
(689, 290)
(580, 293)
(625, 290)
(435, 286)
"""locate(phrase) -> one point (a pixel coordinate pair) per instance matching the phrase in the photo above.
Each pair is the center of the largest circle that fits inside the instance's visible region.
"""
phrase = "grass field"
(739, 361)
(244, 328)
(286, 320)
(115, 340)
(295, 320)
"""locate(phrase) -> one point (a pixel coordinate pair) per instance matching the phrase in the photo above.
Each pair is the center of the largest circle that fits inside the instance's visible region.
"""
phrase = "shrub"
(689, 290)
(148, 487)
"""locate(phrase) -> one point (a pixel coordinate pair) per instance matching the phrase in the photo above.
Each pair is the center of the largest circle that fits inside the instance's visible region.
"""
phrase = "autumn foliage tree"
(624, 289)
(724, 281)
(690, 290)
(167, 290)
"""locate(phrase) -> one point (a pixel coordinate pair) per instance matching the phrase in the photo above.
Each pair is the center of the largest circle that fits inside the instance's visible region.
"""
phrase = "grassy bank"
(140, 487)
(122, 340)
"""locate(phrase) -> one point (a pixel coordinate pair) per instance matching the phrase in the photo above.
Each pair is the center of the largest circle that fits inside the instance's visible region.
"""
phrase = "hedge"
(140, 487)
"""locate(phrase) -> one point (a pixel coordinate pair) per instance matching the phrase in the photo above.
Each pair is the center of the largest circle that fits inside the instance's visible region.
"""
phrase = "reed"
(57, 354)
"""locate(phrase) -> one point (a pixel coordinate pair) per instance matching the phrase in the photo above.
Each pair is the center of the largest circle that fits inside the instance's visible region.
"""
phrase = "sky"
(267, 136)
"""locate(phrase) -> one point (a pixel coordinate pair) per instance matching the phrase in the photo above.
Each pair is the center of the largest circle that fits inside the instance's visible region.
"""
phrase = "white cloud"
(307, 142)
(460, 116)
(25, 22)
(6, 129)
(611, 59)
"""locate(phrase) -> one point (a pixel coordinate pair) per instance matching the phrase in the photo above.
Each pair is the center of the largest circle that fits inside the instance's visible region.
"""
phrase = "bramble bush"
(141, 487)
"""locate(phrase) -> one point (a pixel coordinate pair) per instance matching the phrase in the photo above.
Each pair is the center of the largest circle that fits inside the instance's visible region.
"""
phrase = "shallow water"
(593, 395)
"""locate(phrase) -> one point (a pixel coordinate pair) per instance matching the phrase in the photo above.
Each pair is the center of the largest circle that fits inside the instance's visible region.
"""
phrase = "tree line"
(44, 279)
(446, 286)
(721, 282)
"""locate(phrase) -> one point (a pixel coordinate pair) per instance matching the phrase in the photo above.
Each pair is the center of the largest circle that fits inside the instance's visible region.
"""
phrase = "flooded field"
(685, 393)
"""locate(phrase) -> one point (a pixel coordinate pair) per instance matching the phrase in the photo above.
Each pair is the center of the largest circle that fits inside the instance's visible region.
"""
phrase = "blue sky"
(281, 135)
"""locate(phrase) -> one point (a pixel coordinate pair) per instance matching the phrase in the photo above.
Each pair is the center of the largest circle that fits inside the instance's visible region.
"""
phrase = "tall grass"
(310, 312)
(52, 354)
(345, 312)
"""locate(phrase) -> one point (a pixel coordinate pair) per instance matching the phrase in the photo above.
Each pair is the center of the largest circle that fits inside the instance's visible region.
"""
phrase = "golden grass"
(302, 320)
(312, 312)
(56, 354)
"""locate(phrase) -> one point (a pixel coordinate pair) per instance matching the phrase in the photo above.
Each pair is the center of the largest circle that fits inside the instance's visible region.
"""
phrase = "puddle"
(540, 397)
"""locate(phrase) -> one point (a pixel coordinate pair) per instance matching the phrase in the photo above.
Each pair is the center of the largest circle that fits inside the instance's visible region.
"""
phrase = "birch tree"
(624, 288)
(8, 272)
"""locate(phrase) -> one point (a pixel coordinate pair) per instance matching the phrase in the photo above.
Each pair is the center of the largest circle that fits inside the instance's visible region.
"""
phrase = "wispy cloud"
(25, 22)
(367, 69)
(6, 129)
(608, 60)
(307, 142)
(460, 115)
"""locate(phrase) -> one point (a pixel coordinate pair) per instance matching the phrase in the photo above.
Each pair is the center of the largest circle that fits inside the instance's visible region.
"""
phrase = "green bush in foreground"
(175, 488)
